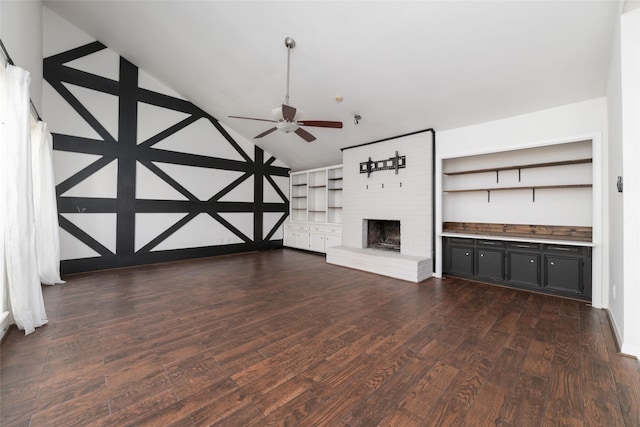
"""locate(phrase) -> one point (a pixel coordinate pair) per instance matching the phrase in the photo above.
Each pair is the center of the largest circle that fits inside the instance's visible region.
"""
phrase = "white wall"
(21, 33)
(385, 195)
(614, 246)
(569, 123)
(630, 83)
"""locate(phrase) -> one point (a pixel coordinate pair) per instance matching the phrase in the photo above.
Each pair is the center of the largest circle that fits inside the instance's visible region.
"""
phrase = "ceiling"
(402, 66)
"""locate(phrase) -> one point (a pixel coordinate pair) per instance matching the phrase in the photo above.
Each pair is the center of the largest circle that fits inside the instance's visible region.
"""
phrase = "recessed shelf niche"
(549, 184)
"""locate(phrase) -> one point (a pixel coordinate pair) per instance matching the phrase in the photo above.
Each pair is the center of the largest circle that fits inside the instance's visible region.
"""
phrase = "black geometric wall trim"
(124, 149)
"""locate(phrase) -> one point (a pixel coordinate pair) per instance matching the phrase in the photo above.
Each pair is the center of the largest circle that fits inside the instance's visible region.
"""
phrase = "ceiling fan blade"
(266, 132)
(321, 124)
(288, 112)
(305, 135)
(253, 118)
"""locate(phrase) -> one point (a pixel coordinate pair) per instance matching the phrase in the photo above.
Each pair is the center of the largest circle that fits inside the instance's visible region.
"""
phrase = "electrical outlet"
(614, 291)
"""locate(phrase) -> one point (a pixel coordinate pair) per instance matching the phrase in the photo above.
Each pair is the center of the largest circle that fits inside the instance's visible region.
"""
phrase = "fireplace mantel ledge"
(381, 253)
(387, 263)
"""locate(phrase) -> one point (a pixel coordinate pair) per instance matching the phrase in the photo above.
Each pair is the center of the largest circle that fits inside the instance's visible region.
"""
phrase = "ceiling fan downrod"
(286, 117)
(290, 43)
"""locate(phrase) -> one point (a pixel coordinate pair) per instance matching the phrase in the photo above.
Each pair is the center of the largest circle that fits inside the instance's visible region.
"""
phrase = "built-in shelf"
(523, 166)
(534, 187)
(554, 170)
(316, 195)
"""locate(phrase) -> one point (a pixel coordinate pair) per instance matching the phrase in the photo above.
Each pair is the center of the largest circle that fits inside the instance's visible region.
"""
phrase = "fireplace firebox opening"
(383, 234)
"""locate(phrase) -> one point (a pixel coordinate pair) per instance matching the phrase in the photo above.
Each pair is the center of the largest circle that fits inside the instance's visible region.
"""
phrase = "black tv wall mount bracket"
(392, 163)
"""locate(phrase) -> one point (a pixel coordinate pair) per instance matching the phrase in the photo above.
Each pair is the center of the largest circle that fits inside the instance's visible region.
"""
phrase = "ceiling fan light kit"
(286, 117)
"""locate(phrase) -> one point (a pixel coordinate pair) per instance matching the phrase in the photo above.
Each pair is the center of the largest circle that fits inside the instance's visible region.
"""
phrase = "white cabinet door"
(296, 237)
(317, 241)
(290, 238)
(303, 240)
(331, 240)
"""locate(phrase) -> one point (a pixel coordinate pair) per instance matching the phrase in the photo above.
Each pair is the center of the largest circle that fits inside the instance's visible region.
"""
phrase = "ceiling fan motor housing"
(287, 127)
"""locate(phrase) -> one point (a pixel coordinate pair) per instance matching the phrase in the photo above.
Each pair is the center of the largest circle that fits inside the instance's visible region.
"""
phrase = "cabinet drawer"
(520, 246)
(491, 243)
(459, 241)
(564, 249)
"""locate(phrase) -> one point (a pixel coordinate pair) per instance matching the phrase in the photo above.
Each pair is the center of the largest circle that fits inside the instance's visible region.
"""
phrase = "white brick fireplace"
(404, 196)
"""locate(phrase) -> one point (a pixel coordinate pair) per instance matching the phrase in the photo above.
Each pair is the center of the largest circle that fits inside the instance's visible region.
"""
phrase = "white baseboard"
(623, 348)
(614, 326)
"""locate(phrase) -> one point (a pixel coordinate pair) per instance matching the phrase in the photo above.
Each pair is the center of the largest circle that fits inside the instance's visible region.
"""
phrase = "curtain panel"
(21, 277)
(45, 205)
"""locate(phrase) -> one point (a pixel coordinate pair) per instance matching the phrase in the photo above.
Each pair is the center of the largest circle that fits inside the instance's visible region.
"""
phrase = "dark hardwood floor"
(282, 338)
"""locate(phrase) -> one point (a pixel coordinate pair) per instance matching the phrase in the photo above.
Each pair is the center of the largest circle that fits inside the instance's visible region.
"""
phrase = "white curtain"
(45, 205)
(26, 305)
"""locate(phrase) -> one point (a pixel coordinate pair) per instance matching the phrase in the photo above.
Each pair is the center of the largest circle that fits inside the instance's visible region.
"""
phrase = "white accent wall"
(195, 180)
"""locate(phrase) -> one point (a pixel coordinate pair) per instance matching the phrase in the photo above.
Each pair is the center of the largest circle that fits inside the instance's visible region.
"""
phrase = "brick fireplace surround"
(404, 196)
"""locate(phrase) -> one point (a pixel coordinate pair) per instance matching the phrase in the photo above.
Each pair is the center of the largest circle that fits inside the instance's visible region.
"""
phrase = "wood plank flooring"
(282, 338)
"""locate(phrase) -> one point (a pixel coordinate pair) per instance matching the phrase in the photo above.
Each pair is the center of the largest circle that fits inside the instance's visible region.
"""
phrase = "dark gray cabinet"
(555, 269)
(490, 259)
(523, 263)
(567, 269)
(460, 256)
(563, 273)
(524, 268)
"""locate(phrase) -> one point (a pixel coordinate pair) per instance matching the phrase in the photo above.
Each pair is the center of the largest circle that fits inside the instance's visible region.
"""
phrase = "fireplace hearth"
(383, 234)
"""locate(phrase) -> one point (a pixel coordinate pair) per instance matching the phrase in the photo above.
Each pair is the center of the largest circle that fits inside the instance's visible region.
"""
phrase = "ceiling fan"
(287, 118)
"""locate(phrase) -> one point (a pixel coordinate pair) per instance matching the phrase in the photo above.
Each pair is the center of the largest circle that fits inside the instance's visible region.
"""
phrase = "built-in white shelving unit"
(334, 196)
(316, 209)
(298, 197)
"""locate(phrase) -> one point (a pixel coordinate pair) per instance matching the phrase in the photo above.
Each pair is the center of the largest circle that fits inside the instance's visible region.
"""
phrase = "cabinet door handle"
(552, 263)
(466, 254)
(481, 255)
(531, 261)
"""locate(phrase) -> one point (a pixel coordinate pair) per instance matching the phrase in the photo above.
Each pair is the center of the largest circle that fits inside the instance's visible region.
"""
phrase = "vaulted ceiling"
(402, 66)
